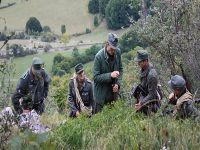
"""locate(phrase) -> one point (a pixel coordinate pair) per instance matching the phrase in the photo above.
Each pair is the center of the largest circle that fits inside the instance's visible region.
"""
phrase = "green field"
(73, 13)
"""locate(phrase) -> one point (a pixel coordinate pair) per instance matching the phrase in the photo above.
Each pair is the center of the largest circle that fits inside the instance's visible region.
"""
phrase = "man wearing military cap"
(107, 73)
(32, 89)
(80, 95)
(182, 99)
(149, 95)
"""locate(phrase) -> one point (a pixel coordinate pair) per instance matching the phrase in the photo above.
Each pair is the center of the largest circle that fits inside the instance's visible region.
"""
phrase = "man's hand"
(115, 74)
(138, 106)
(115, 88)
(20, 101)
(26, 111)
(77, 113)
(171, 97)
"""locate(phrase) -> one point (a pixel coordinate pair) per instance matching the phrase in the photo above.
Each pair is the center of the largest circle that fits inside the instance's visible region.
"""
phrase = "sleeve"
(152, 89)
(46, 85)
(91, 95)
(120, 71)
(21, 91)
(71, 100)
(191, 111)
(98, 76)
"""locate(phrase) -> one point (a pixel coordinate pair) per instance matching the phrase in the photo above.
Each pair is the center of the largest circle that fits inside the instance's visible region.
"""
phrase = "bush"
(129, 41)
(33, 26)
(46, 29)
(87, 31)
(96, 21)
(121, 13)
(48, 37)
(93, 6)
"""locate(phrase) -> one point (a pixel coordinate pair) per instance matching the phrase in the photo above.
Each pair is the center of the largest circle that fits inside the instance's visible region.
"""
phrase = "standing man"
(80, 96)
(107, 73)
(32, 89)
(148, 98)
(182, 99)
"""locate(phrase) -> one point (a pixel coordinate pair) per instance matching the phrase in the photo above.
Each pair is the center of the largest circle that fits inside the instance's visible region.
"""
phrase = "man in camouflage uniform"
(148, 97)
(182, 99)
(32, 89)
(80, 95)
(107, 73)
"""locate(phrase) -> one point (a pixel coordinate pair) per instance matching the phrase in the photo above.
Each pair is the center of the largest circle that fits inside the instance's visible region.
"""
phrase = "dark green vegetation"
(33, 26)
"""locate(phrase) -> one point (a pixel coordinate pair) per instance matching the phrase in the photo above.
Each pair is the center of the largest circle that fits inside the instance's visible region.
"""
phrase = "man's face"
(177, 92)
(142, 64)
(81, 76)
(110, 50)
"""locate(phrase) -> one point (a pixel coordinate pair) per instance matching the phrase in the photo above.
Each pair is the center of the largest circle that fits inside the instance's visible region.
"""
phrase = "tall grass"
(119, 127)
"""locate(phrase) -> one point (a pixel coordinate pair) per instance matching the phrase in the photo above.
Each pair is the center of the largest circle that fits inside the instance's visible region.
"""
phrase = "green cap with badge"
(141, 55)
(37, 63)
(79, 68)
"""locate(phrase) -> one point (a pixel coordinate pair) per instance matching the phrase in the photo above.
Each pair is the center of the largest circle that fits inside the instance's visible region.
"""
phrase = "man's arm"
(47, 80)
(98, 76)
(119, 79)
(21, 91)
(152, 90)
(71, 99)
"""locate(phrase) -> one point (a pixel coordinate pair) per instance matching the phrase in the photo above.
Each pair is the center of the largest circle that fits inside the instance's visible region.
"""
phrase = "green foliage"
(87, 30)
(66, 63)
(29, 141)
(63, 29)
(96, 21)
(93, 6)
(48, 37)
(121, 13)
(174, 36)
(33, 26)
(119, 127)
(46, 29)
(102, 6)
(129, 41)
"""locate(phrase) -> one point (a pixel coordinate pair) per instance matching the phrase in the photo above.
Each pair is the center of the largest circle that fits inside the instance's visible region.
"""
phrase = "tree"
(122, 13)
(63, 29)
(93, 6)
(129, 41)
(174, 36)
(33, 26)
(102, 6)
(65, 39)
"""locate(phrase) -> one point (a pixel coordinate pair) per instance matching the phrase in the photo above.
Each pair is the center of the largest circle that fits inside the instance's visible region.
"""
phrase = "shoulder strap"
(78, 97)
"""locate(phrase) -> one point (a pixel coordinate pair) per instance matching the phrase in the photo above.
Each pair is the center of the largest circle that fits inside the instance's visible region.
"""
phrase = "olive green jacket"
(102, 76)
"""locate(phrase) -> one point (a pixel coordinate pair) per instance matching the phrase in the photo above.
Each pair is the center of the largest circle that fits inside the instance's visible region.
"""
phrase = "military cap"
(112, 40)
(141, 55)
(176, 81)
(37, 63)
(79, 68)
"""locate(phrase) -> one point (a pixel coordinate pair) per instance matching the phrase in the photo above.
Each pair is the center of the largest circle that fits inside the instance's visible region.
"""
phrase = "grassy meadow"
(72, 13)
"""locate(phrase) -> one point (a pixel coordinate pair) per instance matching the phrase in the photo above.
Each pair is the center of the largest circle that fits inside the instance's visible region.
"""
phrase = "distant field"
(24, 63)
(73, 13)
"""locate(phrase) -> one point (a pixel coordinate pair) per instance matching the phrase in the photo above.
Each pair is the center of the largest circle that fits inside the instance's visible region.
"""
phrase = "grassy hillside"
(72, 13)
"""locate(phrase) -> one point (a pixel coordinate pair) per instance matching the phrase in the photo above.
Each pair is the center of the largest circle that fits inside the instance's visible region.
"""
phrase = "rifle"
(188, 84)
(137, 91)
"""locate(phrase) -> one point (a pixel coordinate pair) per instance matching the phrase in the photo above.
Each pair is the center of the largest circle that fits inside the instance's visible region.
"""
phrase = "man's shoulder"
(25, 75)
(88, 81)
(100, 53)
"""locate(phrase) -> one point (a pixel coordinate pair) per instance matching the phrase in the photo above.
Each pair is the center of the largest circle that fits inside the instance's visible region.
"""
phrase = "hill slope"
(72, 13)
